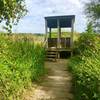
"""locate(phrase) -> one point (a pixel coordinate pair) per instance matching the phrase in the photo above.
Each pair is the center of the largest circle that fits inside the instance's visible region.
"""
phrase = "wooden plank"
(59, 34)
(52, 42)
(64, 42)
(60, 49)
(53, 53)
(51, 59)
(72, 33)
(72, 36)
(46, 31)
(49, 32)
(51, 56)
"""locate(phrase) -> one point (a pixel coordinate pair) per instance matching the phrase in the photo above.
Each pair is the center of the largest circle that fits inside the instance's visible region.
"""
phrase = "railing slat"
(65, 42)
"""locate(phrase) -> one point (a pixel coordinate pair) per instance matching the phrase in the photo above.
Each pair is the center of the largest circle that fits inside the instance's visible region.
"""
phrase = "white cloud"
(43, 7)
(38, 9)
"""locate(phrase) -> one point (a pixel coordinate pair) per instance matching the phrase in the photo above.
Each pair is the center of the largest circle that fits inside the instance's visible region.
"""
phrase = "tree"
(11, 11)
(92, 10)
(89, 29)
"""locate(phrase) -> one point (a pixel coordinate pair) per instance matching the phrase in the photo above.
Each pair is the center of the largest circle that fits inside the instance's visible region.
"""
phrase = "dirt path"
(56, 86)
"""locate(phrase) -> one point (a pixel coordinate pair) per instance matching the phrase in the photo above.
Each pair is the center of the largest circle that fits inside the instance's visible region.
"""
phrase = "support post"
(46, 35)
(59, 36)
(49, 32)
(72, 36)
(59, 33)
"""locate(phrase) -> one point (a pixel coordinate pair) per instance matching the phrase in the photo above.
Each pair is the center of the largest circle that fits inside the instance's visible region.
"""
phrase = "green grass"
(21, 63)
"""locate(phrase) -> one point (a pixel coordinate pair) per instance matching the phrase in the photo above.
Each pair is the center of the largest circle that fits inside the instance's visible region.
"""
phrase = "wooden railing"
(64, 42)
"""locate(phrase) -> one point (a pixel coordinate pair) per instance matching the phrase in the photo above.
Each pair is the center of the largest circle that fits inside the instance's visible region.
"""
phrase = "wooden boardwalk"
(57, 84)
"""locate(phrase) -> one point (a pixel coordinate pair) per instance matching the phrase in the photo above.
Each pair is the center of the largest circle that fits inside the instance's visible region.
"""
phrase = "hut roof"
(64, 21)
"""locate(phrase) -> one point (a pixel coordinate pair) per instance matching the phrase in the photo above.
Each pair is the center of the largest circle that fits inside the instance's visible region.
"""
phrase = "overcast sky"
(33, 22)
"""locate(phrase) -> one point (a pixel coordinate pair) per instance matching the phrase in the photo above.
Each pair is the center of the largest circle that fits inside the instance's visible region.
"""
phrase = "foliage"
(11, 11)
(86, 67)
(86, 40)
(21, 62)
(89, 28)
(92, 10)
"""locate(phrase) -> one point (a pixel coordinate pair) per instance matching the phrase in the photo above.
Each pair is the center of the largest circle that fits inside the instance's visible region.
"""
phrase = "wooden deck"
(58, 49)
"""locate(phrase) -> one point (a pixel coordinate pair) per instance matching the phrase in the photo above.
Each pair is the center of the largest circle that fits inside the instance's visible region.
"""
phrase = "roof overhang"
(64, 21)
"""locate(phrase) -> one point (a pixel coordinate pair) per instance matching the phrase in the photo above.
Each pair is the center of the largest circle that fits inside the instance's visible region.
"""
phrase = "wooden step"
(51, 55)
(51, 59)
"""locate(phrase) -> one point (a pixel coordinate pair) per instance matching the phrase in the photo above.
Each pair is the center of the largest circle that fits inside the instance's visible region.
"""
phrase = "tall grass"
(21, 63)
(85, 67)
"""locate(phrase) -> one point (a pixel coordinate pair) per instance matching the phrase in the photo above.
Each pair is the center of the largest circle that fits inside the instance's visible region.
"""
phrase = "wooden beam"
(72, 36)
(59, 33)
(46, 33)
(59, 36)
(49, 32)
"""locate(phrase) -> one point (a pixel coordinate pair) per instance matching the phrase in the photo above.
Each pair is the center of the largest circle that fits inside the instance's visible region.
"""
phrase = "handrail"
(45, 43)
(52, 42)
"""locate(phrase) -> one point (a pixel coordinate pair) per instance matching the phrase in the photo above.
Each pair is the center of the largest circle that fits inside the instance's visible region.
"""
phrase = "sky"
(34, 21)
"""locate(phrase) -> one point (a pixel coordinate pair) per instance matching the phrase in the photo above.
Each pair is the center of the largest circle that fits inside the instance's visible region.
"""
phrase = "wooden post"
(72, 36)
(46, 35)
(59, 34)
(49, 32)
(58, 26)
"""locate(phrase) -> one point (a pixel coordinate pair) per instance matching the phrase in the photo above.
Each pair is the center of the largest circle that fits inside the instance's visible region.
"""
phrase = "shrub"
(86, 68)
(21, 62)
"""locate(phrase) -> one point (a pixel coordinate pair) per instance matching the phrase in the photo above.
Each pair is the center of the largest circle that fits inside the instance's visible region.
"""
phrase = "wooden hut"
(58, 44)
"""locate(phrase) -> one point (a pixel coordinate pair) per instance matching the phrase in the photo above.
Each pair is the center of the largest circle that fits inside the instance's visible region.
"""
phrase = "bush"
(86, 68)
(21, 62)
